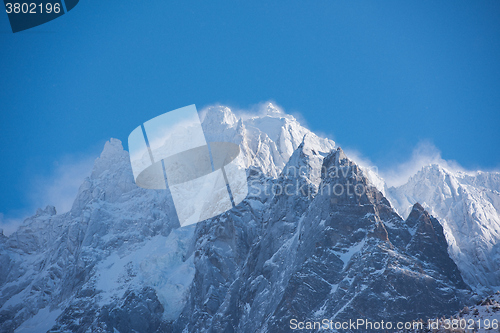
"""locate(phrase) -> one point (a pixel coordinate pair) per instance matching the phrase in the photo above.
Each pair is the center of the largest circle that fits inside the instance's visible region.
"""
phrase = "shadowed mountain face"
(331, 256)
(313, 240)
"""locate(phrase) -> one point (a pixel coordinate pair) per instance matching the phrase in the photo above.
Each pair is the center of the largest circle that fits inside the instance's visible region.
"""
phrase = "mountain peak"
(111, 147)
(418, 207)
(417, 213)
(272, 110)
(433, 168)
(112, 157)
(49, 210)
(335, 158)
(220, 115)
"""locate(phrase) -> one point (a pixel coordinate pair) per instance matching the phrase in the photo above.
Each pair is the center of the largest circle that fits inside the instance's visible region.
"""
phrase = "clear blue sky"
(378, 75)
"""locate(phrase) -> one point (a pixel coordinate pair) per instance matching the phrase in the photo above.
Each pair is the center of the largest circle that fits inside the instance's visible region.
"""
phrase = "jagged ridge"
(118, 259)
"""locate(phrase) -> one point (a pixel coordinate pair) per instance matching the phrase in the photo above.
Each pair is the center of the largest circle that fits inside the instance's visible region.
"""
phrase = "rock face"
(332, 256)
(314, 239)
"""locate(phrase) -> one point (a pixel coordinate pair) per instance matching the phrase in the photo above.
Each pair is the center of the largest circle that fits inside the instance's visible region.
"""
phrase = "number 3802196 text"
(32, 8)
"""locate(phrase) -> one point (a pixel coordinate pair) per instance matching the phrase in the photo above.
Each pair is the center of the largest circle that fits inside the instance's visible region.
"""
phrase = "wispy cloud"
(424, 153)
(9, 225)
(259, 109)
(58, 188)
(357, 157)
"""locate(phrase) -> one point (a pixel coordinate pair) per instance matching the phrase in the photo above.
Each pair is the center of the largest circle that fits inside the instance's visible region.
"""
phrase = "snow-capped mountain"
(267, 141)
(294, 248)
(332, 256)
(468, 207)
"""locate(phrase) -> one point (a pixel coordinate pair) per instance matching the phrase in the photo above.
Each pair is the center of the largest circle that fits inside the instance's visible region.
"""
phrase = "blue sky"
(379, 77)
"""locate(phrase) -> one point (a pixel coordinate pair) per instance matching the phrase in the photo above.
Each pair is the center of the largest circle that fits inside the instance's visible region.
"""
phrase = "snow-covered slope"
(95, 253)
(468, 207)
(267, 140)
(484, 316)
